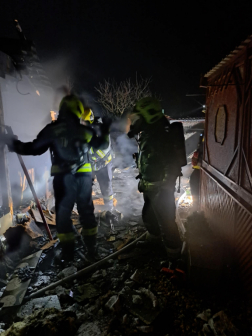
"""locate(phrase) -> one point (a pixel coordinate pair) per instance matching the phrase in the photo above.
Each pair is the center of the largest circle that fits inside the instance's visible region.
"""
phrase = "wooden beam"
(7, 204)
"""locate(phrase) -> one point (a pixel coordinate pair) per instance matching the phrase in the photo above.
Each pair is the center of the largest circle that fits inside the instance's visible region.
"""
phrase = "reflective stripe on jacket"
(100, 158)
(86, 168)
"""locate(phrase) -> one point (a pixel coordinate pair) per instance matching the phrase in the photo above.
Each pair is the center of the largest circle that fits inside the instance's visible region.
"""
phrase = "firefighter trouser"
(104, 178)
(159, 212)
(68, 190)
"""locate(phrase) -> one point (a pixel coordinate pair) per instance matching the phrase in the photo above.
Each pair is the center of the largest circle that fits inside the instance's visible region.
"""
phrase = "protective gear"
(88, 115)
(92, 255)
(149, 108)
(68, 190)
(73, 105)
(102, 167)
(104, 178)
(159, 166)
(150, 241)
(69, 142)
(157, 151)
(67, 245)
(100, 158)
(159, 212)
(7, 139)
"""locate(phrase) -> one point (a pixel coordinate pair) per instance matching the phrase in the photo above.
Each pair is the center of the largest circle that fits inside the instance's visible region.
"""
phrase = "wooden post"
(7, 204)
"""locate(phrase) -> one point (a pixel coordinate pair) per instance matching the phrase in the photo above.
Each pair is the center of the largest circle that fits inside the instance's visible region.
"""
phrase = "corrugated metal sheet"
(243, 232)
(220, 211)
(232, 223)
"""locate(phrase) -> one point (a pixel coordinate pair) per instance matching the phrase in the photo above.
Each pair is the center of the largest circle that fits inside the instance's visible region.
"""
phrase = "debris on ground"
(67, 272)
(139, 292)
(40, 303)
(50, 322)
(16, 288)
(24, 273)
(86, 291)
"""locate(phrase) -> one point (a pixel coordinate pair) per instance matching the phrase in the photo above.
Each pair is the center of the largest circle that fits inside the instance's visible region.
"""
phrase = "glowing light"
(204, 106)
(185, 200)
(37, 92)
(53, 115)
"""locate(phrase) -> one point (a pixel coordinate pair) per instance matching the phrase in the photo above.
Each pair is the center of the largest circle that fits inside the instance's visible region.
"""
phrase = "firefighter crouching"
(102, 167)
(160, 158)
(69, 142)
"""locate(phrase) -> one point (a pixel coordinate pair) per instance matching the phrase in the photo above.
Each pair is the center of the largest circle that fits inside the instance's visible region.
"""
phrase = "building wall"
(27, 113)
(226, 175)
(221, 154)
(232, 223)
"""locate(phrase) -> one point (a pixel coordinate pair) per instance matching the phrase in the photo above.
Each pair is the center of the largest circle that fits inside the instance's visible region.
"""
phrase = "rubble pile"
(46, 322)
(136, 293)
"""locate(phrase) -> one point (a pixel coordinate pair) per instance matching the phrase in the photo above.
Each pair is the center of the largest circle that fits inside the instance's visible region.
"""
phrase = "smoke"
(27, 110)
(89, 100)
(27, 105)
(124, 148)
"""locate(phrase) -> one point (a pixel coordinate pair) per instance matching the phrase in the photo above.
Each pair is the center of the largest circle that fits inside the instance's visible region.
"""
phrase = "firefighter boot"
(91, 255)
(117, 213)
(149, 241)
(67, 243)
(173, 251)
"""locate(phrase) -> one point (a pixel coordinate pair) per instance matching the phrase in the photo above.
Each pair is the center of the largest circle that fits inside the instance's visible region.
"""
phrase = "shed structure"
(226, 174)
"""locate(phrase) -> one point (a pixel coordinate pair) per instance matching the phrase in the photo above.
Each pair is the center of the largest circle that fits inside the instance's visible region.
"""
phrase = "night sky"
(172, 42)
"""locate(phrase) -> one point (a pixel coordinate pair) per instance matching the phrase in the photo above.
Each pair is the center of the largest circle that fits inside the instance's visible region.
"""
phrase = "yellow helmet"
(149, 108)
(72, 104)
(88, 115)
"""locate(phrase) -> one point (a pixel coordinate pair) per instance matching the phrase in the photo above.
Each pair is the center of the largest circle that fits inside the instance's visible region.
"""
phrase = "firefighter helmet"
(72, 104)
(88, 115)
(149, 108)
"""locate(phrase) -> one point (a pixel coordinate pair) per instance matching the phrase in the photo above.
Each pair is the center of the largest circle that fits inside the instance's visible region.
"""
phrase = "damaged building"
(131, 290)
(26, 102)
(226, 180)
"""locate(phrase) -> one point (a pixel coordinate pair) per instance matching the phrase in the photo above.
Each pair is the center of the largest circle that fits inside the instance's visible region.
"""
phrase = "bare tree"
(116, 98)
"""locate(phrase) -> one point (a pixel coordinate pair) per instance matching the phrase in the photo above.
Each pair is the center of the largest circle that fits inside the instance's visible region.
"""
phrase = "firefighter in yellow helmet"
(69, 142)
(160, 158)
(101, 161)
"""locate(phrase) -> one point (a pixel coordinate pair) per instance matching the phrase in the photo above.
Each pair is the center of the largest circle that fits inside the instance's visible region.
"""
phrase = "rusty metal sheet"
(15, 289)
(49, 244)
(50, 217)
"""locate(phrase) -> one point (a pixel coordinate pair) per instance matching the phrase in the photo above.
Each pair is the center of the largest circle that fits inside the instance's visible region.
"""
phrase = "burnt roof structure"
(229, 58)
(24, 60)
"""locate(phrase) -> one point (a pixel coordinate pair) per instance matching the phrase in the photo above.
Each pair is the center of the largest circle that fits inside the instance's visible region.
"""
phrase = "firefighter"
(195, 176)
(69, 142)
(159, 168)
(102, 166)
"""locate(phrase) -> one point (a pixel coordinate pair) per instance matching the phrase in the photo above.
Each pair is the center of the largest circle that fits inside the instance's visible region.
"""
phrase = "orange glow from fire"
(53, 115)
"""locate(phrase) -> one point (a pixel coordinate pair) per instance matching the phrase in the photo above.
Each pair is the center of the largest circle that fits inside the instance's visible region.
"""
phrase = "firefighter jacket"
(101, 157)
(157, 150)
(68, 141)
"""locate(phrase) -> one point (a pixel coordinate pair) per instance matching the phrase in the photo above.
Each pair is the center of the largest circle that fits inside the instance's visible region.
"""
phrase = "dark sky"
(171, 41)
